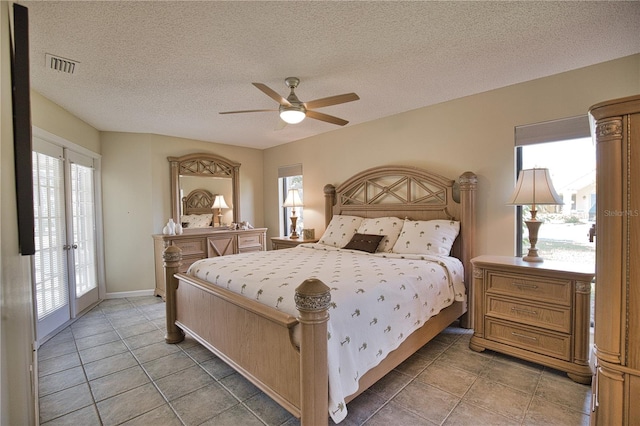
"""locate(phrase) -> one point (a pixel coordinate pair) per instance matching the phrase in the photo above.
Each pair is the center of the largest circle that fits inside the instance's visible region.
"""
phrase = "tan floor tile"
(84, 416)
(465, 359)
(155, 351)
(109, 365)
(394, 414)
(184, 382)
(103, 351)
(390, 384)
(64, 402)
(130, 404)
(448, 379)
(561, 390)
(235, 416)
(543, 412)
(203, 404)
(265, 408)
(97, 340)
(61, 380)
(115, 383)
(415, 396)
(62, 362)
(513, 375)
(161, 416)
(498, 398)
(161, 367)
(240, 387)
(470, 415)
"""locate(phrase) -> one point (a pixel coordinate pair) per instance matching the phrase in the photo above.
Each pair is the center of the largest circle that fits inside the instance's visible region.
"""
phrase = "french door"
(65, 264)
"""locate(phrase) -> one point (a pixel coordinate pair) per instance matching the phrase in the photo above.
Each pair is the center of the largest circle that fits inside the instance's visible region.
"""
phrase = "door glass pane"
(49, 261)
(83, 228)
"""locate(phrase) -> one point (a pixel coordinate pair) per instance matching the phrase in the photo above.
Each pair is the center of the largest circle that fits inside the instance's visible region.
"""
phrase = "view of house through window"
(564, 234)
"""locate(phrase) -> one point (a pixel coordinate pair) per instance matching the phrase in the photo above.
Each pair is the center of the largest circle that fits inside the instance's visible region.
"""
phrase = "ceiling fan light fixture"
(292, 115)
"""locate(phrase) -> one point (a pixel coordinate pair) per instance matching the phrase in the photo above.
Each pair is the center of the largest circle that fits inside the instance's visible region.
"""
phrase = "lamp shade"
(293, 199)
(292, 115)
(219, 203)
(534, 187)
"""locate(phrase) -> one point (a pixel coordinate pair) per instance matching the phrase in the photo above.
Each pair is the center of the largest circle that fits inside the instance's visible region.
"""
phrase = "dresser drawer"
(190, 246)
(530, 287)
(552, 318)
(547, 343)
(246, 242)
(188, 261)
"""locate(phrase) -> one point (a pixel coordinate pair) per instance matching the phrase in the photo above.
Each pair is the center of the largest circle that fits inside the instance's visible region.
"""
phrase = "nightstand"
(538, 312)
(278, 243)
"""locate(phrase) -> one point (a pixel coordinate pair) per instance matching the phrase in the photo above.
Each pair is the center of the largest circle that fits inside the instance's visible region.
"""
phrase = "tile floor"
(112, 367)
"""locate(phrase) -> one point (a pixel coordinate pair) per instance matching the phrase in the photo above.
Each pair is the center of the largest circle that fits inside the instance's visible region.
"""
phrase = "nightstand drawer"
(247, 241)
(547, 343)
(188, 261)
(191, 246)
(529, 287)
(558, 319)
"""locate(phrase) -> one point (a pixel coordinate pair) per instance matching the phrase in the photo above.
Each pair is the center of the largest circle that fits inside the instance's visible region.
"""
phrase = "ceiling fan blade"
(332, 100)
(326, 117)
(247, 110)
(272, 94)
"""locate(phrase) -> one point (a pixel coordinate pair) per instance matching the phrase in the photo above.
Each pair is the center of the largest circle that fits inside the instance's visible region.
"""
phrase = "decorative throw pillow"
(427, 237)
(340, 230)
(196, 220)
(390, 227)
(364, 242)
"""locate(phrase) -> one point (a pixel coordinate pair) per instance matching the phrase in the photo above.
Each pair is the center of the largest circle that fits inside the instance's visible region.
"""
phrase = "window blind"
(291, 170)
(552, 131)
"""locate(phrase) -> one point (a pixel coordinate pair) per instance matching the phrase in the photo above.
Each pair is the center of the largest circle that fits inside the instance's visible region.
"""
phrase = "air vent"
(60, 64)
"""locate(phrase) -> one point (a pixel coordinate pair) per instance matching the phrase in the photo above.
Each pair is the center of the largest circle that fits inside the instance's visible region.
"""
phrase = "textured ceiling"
(170, 67)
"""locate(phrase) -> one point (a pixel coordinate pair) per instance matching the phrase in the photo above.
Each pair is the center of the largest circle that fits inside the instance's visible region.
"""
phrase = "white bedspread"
(376, 299)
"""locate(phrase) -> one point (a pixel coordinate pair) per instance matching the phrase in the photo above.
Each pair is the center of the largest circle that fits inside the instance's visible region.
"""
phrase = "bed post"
(468, 182)
(172, 257)
(312, 301)
(329, 202)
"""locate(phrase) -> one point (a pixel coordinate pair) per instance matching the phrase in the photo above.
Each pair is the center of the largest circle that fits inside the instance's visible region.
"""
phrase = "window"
(566, 149)
(290, 177)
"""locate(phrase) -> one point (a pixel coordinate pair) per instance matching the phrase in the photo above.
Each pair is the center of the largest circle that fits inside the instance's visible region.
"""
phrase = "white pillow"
(340, 230)
(427, 237)
(390, 227)
(196, 220)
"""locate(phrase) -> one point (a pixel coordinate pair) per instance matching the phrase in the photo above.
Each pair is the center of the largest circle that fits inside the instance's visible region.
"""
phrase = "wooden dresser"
(278, 243)
(535, 311)
(616, 387)
(196, 245)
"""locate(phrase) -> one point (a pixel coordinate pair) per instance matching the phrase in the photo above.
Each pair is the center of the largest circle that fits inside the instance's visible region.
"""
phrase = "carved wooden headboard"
(413, 193)
(198, 201)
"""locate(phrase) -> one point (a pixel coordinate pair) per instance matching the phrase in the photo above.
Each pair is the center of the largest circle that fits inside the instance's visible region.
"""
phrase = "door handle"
(74, 246)
(66, 247)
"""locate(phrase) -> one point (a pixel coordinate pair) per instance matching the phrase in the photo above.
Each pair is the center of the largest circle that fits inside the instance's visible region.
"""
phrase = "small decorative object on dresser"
(309, 234)
(278, 243)
(535, 311)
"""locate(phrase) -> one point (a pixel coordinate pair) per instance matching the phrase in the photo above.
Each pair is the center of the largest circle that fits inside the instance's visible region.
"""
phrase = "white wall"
(474, 133)
(137, 203)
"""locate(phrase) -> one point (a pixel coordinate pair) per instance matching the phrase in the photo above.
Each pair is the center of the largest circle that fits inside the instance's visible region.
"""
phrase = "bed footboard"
(256, 340)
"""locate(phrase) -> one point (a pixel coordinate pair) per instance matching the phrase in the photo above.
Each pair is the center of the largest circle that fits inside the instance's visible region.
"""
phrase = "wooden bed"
(256, 340)
(198, 201)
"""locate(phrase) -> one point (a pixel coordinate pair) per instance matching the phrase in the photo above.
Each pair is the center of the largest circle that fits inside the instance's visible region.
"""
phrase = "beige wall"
(54, 119)
(17, 406)
(137, 204)
(474, 133)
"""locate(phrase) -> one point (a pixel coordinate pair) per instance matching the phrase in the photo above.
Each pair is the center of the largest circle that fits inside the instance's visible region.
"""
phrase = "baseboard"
(123, 294)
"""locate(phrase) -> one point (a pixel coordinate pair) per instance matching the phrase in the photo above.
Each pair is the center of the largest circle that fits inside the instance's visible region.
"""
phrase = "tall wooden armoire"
(616, 386)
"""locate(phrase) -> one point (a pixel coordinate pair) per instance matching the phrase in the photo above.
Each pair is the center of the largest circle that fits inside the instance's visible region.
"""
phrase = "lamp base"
(533, 226)
(294, 235)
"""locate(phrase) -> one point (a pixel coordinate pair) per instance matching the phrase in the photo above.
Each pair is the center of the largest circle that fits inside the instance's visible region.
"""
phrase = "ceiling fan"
(293, 111)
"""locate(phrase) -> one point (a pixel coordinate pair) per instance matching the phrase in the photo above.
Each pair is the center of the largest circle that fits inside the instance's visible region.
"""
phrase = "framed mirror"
(196, 181)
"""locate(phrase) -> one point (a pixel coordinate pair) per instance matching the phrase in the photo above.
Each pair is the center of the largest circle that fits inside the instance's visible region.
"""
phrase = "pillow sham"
(427, 237)
(340, 230)
(390, 227)
(196, 220)
(364, 242)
